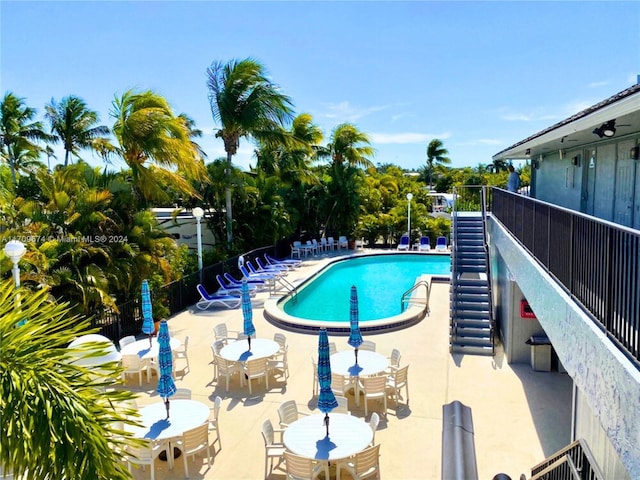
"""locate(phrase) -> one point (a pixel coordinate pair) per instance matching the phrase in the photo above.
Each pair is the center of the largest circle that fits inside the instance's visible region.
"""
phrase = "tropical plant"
(245, 103)
(74, 124)
(59, 419)
(436, 155)
(348, 146)
(18, 132)
(156, 145)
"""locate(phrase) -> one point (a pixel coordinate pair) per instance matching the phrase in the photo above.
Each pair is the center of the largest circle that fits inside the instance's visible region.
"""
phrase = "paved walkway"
(519, 416)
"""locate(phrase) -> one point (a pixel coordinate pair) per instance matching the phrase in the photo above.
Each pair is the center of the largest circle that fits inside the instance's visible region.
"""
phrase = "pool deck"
(519, 416)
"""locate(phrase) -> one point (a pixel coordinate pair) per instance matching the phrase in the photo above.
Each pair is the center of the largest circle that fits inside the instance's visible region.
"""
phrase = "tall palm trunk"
(228, 201)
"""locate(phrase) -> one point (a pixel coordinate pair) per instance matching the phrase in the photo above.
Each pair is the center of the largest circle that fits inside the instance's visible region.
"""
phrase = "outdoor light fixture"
(15, 249)
(634, 153)
(198, 213)
(607, 129)
(409, 197)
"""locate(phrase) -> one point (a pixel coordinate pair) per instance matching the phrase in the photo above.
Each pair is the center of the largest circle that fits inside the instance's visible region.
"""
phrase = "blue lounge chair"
(404, 243)
(247, 275)
(234, 290)
(207, 300)
(255, 271)
(441, 244)
(425, 244)
(266, 267)
(258, 284)
(288, 263)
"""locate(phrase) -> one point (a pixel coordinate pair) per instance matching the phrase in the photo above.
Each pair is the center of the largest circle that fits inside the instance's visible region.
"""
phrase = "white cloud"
(406, 137)
(528, 117)
(345, 112)
(602, 83)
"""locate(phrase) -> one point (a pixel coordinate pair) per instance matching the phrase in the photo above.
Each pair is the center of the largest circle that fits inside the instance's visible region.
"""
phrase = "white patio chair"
(365, 464)
(181, 354)
(124, 341)
(132, 365)
(340, 384)
(343, 405)
(374, 421)
(374, 388)
(396, 381)
(227, 369)
(299, 468)
(145, 454)
(221, 332)
(288, 413)
(192, 442)
(368, 345)
(273, 450)
(181, 394)
(214, 425)
(256, 369)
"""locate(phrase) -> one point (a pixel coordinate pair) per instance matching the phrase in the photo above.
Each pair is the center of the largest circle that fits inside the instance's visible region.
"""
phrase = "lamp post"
(198, 213)
(409, 197)
(15, 249)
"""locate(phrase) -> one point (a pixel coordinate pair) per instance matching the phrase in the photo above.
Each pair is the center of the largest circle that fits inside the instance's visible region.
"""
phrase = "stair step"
(471, 349)
(463, 322)
(471, 289)
(463, 315)
(471, 297)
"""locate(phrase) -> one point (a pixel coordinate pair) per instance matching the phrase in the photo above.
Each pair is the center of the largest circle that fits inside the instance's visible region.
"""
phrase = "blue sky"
(480, 76)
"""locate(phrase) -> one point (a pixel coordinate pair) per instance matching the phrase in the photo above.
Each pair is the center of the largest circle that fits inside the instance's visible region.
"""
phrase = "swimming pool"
(381, 279)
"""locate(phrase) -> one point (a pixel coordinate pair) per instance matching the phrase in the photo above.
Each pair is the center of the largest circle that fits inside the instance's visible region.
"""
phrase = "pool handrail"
(407, 294)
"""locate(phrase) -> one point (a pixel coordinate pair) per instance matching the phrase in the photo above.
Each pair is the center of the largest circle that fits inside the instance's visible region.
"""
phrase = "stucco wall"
(559, 181)
(610, 384)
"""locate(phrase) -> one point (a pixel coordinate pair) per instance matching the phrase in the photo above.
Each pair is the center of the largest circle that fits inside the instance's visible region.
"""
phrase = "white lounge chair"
(207, 300)
(441, 244)
(404, 243)
(424, 245)
(343, 242)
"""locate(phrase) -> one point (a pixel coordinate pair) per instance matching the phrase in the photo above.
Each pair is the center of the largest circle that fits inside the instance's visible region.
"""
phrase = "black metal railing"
(597, 262)
(575, 461)
(176, 296)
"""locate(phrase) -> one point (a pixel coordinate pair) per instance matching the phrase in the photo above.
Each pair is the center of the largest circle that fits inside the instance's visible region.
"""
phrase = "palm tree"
(17, 129)
(436, 155)
(245, 104)
(75, 125)
(63, 416)
(153, 142)
(349, 146)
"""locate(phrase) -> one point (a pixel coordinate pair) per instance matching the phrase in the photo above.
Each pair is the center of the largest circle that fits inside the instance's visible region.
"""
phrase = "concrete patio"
(519, 416)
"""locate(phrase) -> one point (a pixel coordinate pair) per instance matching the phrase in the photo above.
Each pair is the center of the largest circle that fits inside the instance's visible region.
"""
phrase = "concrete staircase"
(471, 329)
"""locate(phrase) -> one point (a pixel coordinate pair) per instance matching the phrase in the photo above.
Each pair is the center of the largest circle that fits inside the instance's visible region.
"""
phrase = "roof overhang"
(577, 130)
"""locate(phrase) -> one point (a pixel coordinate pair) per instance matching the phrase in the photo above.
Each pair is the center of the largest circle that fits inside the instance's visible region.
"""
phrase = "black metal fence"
(176, 296)
(597, 262)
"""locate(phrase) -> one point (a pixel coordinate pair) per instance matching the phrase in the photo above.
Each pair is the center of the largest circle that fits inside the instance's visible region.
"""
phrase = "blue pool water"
(380, 279)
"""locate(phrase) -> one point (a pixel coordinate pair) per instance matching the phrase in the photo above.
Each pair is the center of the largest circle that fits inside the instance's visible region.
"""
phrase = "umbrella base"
(176, 454)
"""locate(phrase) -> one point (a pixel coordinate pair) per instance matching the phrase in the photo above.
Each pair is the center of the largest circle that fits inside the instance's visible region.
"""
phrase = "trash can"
(540, 353)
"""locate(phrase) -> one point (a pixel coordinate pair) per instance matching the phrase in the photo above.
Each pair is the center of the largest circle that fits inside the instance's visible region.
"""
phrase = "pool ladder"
(290, 288)
(406, 295)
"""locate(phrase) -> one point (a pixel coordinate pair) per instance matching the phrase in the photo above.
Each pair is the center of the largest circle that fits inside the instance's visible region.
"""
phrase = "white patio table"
(142, 349)
(183, 415)
(238, 351)
(369, 363)
(307, 437)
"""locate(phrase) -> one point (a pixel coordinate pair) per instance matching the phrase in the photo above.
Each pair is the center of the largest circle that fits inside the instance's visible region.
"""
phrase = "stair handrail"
(453, 324)
(427, 286)
(579, 454)
(485, 243)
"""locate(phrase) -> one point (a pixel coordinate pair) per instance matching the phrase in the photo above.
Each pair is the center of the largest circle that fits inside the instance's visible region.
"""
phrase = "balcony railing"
(597, 262)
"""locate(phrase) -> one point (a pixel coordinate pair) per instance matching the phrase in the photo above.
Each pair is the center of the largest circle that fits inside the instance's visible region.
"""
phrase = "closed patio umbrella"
(326, 399)
(247, 313)
(355, 337)
(166, 386)
(147, 312)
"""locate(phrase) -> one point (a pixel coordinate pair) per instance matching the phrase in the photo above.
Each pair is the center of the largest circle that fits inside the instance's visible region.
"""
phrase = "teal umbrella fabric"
(355, 337)
(147, 312)
(247, 312)
(326, 399)
(166, 385)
